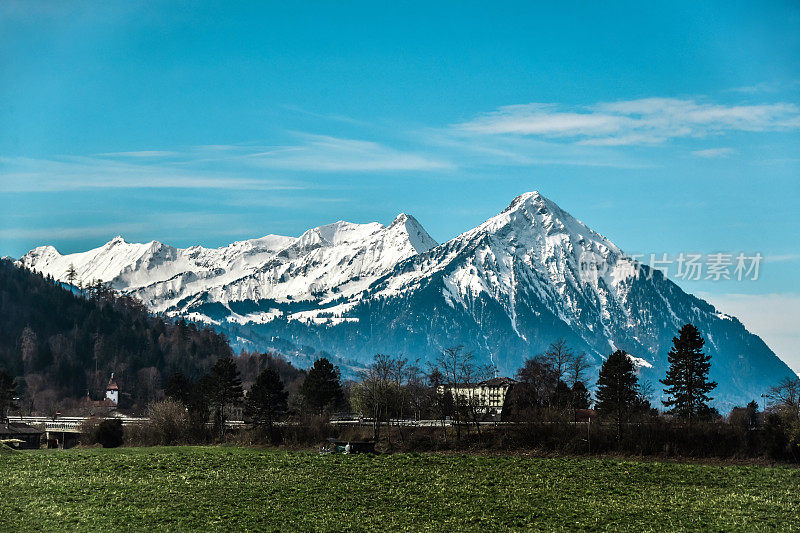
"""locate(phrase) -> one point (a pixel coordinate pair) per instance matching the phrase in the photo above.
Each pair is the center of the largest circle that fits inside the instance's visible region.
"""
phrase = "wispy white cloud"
(767, 87)
(21, 174)
(473, 150)
(714, 153)
(632, 122)
(521, 135)
(141, 153)
(544, 119)
(321, 153)
(210, 166)
(781, 258)
(81, 232)
(773, 317)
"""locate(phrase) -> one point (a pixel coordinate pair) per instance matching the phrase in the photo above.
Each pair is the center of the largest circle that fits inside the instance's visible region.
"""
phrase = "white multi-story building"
(489, 396)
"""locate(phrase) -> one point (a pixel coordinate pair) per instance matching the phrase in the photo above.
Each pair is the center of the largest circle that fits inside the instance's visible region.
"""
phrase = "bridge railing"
(73, 424)
(63, 426)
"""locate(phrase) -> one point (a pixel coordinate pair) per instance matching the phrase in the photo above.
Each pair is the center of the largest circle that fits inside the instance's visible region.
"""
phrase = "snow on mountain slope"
(532, 244)
(533, 273)
(512, 285)
(130, 266)
(505, 289)
(329, 261)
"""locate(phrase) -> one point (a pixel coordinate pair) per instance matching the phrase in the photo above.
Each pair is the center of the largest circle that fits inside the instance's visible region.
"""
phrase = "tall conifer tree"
(687, 383)
(321, 389)
(223, 387)
(617, 387)
(266, 399)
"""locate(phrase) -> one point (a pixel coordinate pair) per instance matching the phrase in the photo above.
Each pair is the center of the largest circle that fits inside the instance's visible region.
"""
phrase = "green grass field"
(222, 488)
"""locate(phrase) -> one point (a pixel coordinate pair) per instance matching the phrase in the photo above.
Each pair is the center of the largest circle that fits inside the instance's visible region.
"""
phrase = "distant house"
(112, 391)
(20, 436)
(234, 413)
(109, 402)
(488, 396)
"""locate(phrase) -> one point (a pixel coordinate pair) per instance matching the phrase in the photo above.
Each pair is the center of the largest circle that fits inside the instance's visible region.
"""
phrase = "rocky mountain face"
(504, 289)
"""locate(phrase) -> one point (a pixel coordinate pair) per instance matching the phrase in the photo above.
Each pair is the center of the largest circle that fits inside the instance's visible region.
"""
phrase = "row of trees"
(541, 403)
(394, 387)
(218, 396)
(687, 385)
(552, 382)
(554, 386)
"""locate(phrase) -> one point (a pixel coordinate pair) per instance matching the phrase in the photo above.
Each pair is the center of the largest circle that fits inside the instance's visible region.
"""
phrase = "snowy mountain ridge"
(506, 289)
(532, 236)
(327, 261)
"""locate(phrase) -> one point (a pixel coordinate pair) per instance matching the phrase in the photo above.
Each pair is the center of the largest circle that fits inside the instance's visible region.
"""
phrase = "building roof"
(497, 382)
(112, 385)
(16, 428)
(494, 382)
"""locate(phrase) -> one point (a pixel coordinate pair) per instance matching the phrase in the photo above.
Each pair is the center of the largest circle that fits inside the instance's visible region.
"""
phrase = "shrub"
(169, 422)
(89, 431)
(310, 430)
(109, 433)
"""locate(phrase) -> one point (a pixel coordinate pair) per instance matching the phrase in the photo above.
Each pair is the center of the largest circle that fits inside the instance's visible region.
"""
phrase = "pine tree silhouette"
(617, 388)
(687, 384)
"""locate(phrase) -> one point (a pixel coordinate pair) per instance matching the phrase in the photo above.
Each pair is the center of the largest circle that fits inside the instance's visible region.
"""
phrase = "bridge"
(42, 420)
(64, 431)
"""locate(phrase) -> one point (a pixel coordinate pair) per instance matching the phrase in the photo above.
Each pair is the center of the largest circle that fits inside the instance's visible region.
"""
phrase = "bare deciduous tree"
(379, 393)
(785, 397)
(538, 378)
(560, 357)
(578, 367)
(454, 363)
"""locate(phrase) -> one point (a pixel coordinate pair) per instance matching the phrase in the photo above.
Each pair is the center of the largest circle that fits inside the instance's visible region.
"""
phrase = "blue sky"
(669, 128)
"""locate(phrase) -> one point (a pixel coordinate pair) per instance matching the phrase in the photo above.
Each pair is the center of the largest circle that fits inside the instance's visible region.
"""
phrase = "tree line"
(550, 390)
(57, 344)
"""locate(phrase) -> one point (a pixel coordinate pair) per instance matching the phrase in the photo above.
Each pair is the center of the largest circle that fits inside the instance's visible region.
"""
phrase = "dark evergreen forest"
(61, 343)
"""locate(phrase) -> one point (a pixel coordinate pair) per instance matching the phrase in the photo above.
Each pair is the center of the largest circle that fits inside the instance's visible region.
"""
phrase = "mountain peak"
(400, 219)
(405, 219)
(527, 196)
(531, 199)
(532, 209)
(116, 240)
(417, 236)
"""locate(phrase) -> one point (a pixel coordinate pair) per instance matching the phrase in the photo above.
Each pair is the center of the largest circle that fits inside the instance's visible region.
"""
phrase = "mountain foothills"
(65, 345)
(505, 289)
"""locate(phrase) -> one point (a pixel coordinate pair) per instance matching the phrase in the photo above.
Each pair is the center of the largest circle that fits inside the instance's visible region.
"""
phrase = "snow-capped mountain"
(504, 289)
(331, 261)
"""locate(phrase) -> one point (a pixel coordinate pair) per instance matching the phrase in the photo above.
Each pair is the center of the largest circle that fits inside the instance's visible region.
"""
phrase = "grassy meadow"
(241, 489)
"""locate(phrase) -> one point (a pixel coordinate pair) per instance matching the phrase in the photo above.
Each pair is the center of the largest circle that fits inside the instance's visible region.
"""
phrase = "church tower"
(112, 391)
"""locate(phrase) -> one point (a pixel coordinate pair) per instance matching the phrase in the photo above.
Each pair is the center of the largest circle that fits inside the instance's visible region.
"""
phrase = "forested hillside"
(60, 344)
